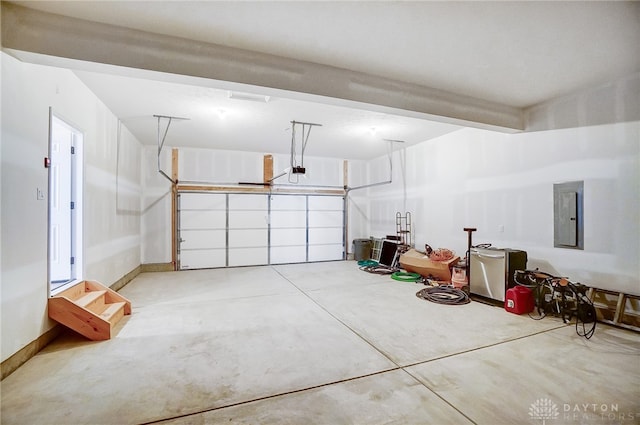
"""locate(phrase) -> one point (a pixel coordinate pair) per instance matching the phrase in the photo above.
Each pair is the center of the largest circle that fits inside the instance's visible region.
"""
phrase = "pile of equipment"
(543, 294)
(447, 278)
(431, 267)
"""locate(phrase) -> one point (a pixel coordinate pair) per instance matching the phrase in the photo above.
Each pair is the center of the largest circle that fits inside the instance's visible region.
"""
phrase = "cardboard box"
(417, 262)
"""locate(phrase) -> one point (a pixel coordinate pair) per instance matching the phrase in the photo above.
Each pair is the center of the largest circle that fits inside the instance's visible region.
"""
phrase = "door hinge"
(73, 205)
(73, 260)
(73, 150)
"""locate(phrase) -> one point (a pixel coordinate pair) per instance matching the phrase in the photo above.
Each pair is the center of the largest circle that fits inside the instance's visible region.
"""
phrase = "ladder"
(616, 308)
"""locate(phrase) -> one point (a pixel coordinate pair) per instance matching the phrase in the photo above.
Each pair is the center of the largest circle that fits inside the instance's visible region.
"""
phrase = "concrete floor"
(323, 343)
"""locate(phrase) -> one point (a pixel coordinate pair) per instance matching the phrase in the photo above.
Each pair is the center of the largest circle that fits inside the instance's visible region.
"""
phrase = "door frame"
(76, 190)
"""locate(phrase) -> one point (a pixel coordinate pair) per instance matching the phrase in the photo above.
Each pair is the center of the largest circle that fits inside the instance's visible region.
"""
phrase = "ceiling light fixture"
(248, 96)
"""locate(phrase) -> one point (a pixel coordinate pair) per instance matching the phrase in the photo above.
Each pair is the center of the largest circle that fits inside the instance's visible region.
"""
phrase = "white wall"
(612, 102)
(482, 179)
(111, 192)
(156, 206)
(219, 166)
(112, 196)
(357, 203)
(494, 181)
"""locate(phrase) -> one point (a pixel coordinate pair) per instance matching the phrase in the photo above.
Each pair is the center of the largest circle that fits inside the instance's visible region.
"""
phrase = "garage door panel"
(328, 235)
(325, 252)
(285, 237)
(248, 219)
(288, 203)
(203, 259)
(247, 256)
(203, 219)
(203, 201)
(325, 218)
(288, 254)
(247, 202)
(202, 239)
(324, 203)
(288, 219)
(241, 238)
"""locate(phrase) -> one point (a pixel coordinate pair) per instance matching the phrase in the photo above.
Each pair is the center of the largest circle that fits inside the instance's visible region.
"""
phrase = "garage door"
(226, 230)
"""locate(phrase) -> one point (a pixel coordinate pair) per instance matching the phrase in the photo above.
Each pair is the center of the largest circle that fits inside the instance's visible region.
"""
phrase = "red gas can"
(519, 300)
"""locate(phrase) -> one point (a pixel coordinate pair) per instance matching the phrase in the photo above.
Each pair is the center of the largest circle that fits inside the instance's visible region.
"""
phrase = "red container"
(519, 300)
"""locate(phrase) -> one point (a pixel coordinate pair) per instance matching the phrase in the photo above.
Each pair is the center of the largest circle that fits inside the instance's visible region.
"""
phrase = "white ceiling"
(218, 121)
(518, 54)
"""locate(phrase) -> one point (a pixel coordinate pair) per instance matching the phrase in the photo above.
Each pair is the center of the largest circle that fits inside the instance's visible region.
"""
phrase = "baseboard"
(157, 267)
(19, 358)
(122, 282)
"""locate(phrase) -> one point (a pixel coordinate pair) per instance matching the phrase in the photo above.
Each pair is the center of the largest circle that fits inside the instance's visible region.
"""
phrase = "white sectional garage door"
(226, 230)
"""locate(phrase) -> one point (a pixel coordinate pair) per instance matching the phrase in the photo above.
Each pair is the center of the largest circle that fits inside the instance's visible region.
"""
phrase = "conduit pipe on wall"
(161, 142)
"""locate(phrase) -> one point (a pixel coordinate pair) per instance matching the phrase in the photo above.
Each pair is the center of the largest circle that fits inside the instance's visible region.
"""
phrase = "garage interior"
(218, 162)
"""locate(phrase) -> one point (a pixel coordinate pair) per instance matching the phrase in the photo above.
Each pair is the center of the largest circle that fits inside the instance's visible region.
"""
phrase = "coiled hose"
(367, 263)
(406, 277)
(372, 266)
(444, 295)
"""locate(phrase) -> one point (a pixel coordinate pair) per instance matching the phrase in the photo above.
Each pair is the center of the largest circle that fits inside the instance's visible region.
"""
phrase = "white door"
(65, 205)
(60, 225)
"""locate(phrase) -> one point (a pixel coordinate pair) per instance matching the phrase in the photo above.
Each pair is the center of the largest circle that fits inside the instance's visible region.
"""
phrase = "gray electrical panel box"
(567, 215)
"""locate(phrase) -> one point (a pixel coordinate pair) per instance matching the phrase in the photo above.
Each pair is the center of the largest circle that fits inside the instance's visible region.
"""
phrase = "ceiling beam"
(29, 30)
